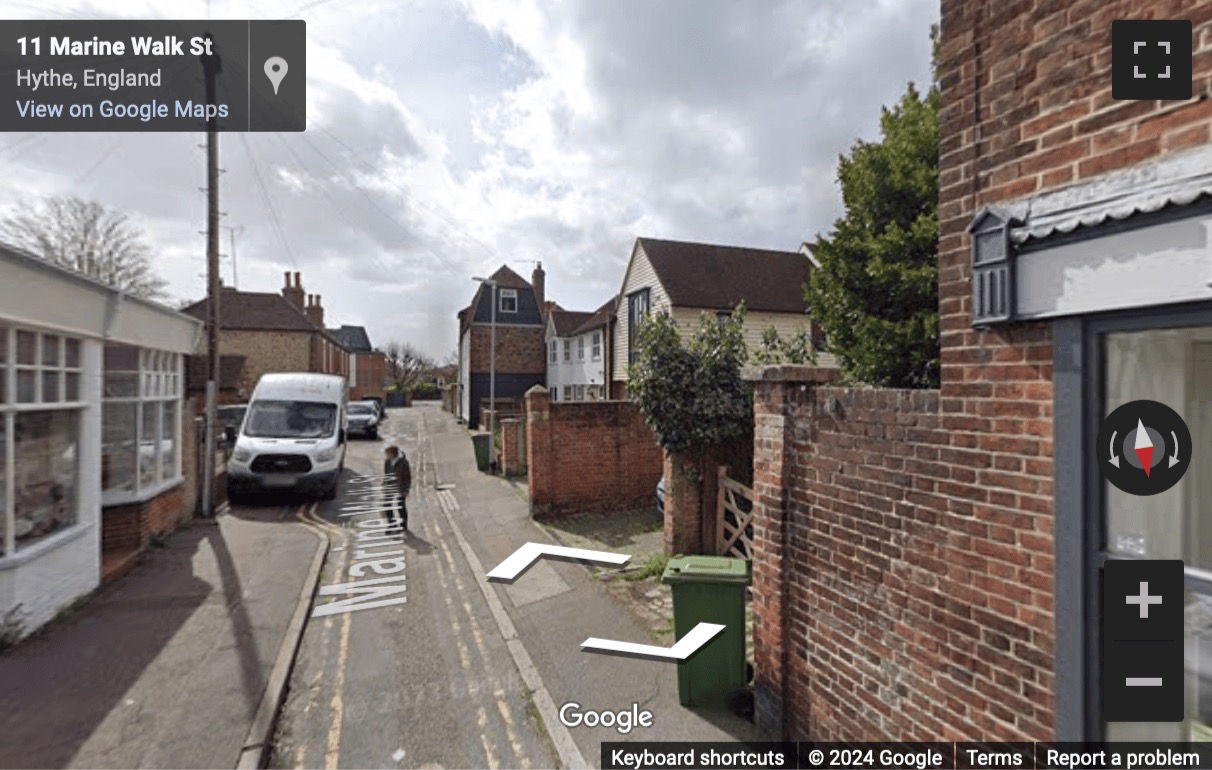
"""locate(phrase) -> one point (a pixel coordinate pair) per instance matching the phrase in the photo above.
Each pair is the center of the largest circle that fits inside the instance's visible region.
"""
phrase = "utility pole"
(211, 68)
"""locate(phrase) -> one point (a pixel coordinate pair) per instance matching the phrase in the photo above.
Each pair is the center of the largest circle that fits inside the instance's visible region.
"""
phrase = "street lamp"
(492, 375)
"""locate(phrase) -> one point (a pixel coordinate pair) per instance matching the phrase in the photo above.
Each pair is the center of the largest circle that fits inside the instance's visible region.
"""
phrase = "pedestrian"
(398, 471)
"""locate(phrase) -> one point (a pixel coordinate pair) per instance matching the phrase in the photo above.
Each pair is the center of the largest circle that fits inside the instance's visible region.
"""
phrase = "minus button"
(1143, 681)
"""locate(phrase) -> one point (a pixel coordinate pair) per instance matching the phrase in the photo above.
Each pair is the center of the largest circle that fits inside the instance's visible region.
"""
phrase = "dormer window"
(509, 301)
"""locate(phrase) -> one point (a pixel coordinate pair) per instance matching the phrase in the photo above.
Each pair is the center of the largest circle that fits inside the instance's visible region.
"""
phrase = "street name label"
(151, 75)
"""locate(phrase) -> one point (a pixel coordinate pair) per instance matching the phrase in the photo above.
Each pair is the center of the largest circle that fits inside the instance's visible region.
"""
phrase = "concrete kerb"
(258, 741)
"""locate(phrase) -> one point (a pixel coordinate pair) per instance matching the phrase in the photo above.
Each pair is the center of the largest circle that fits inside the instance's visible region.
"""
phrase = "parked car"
(364, 418)
(660, 496)
(293, 437)
(379, 405)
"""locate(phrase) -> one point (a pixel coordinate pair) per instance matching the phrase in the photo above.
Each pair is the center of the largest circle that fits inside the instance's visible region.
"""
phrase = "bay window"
(140, 417)
(40, 412)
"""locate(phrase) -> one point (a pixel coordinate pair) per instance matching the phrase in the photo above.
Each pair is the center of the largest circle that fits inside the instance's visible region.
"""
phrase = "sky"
(446, 138)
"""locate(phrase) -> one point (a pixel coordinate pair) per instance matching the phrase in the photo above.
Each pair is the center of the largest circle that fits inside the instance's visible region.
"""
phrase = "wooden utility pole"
(211, 68)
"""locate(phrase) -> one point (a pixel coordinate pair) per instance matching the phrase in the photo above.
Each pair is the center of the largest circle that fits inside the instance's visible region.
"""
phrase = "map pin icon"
(275, 70)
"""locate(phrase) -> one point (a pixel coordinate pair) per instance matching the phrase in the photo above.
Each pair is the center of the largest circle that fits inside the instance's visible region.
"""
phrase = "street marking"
(520, 560)
(332, 753)
(448, 568)
(685, 647)
(569, 753)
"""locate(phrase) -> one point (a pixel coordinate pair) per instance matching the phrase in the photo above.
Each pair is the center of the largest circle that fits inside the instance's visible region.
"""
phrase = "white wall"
(577, 371)
(51, 573)
(639, 275)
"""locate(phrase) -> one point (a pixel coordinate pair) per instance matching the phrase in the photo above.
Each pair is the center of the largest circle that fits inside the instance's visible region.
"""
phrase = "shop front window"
(44, 473)
(1174, 367)
(40, 429)
(139, 418)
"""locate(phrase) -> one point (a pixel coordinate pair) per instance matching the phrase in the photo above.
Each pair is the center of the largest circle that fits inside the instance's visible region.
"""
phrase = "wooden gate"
(734, 517)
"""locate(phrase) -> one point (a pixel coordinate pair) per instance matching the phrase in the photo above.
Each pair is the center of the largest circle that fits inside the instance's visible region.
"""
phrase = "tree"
(405, 364)
(691, 394)
(89, 238)
(796, 349)
(876, 291)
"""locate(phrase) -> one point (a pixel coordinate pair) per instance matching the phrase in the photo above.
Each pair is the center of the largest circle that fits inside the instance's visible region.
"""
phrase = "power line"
(412, 197)
(336, 207)
(273, 214)
(377, 207)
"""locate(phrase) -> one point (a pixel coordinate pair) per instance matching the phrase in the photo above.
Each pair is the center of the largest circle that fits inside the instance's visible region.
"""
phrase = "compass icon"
(1144, 447)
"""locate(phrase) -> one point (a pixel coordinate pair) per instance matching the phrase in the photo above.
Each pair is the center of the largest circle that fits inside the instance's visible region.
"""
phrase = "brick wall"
(902, 588)
(904, 581)
(520, 349)
(513, 461)
(267, 352)
(588, 456)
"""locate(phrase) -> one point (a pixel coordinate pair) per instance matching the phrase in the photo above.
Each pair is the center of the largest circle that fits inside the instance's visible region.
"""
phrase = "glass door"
(1173, 366)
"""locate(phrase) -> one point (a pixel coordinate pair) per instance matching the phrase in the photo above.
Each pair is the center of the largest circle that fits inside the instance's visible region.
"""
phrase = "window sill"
(43, 546)
(111, 499)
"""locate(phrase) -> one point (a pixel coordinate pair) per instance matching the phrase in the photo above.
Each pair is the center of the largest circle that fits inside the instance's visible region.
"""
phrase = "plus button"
(1144, 600)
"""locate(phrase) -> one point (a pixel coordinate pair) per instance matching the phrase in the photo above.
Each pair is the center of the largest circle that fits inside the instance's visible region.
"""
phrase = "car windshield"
(361, 409)
(290, 419)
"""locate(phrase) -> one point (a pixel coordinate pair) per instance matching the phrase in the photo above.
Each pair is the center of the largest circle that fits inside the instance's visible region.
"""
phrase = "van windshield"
(290, 419)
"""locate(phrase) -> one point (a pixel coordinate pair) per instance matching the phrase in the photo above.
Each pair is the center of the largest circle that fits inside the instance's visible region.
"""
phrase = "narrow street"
(427, 682)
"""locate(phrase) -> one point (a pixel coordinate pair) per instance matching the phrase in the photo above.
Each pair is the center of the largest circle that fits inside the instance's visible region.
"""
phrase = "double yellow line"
(308, 516)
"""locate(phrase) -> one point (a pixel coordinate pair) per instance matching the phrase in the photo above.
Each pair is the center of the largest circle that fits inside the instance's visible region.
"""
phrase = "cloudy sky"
(448, 137)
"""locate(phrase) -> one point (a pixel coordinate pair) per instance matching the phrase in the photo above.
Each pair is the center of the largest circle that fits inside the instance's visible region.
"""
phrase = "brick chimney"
(314, 311)
(539, 281)
(294, 293)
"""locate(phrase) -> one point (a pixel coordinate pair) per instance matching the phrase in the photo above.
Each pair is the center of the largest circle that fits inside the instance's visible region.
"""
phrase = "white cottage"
(90, 414)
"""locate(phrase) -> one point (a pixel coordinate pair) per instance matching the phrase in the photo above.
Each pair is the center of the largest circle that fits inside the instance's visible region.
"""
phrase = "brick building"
(367, 366)
(274, 333)
(521, 360)
(928, 563)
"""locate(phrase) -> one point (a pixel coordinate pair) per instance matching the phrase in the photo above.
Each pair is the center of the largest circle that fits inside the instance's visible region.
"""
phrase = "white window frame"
(597, 346)
(507, 294)
(568, 393)
(581, 348)
(567, 351)
(160, 382)
(10, 407)
(555, 354)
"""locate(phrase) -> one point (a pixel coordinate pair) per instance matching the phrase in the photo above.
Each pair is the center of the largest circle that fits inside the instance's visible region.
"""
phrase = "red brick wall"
(513, 462)
(520, 349)
(589, 456)
(910, 593)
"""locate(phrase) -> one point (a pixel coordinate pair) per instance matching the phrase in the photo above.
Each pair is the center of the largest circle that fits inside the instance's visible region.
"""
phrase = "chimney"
(293, 294)
(538, 281)
(314, 311)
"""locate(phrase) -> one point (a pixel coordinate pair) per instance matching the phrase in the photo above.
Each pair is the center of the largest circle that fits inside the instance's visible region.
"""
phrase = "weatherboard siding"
(640, 275)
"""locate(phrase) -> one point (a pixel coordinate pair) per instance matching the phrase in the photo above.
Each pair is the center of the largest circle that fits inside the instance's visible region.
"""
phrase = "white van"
(292, 437)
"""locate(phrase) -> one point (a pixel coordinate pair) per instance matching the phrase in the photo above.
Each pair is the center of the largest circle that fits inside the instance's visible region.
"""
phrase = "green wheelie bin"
(710, 589)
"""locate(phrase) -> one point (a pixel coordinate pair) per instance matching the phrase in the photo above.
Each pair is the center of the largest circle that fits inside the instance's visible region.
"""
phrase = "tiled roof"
(599, 318)
(352, 338)
(708, 276)
(568, 321)
(254, 311)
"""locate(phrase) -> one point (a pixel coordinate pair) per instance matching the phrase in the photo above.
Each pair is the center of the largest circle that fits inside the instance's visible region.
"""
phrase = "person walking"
(398, 471)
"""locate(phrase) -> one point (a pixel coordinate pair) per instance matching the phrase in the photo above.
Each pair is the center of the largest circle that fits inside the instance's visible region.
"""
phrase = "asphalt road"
(422, 683)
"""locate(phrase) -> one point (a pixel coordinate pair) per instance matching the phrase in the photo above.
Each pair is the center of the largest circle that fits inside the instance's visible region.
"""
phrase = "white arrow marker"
(520, 560)
(685, 647)
(1174, 457)
(1114, 457)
